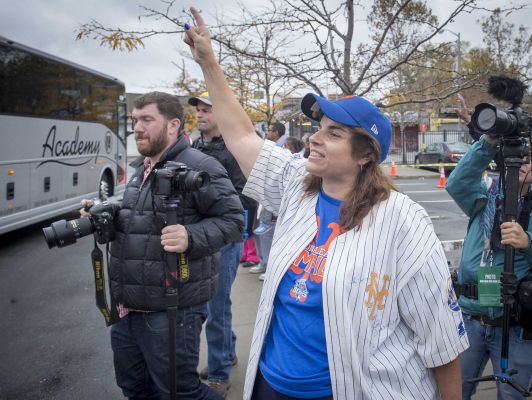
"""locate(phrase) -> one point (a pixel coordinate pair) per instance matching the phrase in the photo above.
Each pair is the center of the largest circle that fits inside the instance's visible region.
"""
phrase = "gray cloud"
(50, 26)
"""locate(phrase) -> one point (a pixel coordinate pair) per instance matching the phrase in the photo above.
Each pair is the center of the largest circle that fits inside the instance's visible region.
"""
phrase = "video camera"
(176, 178)
(493, 121)
(100, 222)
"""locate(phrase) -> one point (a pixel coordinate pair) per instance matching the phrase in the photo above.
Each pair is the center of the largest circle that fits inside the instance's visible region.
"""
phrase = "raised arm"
(464, 183)
(236, 127)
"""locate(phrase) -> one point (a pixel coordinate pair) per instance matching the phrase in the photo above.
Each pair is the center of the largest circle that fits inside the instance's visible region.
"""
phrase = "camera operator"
(483, 258)
(209, 220)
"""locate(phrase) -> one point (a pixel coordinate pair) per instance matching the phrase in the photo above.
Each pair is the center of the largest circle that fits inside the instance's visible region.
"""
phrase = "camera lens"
(63, 233)
(486, 119)
(197, 181)
(489, 119)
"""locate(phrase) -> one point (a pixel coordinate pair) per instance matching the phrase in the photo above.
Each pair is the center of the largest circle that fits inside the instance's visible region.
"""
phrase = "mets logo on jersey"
(299, 291)
(452, 300)
(376, 295)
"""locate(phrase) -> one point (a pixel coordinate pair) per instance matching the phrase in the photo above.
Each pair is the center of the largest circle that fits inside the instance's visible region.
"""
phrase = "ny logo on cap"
(374, 129)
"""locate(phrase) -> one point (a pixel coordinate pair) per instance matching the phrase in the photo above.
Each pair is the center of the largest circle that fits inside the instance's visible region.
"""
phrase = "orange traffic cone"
(441, 183)
(393, 170)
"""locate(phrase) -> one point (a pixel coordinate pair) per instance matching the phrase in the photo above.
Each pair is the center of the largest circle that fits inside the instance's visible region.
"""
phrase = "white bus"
(62, 135)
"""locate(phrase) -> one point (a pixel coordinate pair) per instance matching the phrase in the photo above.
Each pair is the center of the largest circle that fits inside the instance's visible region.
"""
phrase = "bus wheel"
(106, 187)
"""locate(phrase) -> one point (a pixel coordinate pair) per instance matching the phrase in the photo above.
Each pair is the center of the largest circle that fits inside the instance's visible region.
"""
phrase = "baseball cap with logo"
(204, 98)
(353, 111)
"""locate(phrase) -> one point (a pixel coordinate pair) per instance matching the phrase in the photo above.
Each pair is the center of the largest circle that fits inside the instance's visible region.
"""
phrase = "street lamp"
(458, 57)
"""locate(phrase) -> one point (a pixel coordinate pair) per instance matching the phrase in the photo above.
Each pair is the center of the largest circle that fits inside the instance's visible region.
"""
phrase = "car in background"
(442, 152)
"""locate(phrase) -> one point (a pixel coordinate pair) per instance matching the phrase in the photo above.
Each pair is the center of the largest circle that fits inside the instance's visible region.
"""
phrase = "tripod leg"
(518, 387)
(486, 378)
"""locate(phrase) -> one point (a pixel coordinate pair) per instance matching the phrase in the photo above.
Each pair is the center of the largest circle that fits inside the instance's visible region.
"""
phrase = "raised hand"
(199, 40)
(461, 109)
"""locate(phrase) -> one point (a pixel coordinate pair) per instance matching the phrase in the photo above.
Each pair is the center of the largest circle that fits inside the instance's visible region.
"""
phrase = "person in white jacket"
(358, 302)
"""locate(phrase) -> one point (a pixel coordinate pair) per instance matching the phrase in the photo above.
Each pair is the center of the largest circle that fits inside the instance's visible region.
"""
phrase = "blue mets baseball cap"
(353, 111)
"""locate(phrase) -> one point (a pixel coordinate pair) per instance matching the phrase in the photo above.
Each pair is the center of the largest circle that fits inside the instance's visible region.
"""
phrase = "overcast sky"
(51, 26)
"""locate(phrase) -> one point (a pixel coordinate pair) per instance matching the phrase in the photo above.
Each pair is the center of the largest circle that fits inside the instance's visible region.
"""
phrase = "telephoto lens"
(63, 233)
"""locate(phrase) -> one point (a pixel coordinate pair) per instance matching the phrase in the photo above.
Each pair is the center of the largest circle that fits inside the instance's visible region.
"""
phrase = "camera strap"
(176, 271)
(109, 314)
(172, 302)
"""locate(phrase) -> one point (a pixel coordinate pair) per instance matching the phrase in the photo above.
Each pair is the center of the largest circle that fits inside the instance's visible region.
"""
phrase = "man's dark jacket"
(217, 149)
(212, 219)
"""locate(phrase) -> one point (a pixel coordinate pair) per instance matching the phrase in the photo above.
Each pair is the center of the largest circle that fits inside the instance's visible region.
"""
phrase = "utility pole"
(402, 126)
(459, 59)
(459, 70)
(457, 66)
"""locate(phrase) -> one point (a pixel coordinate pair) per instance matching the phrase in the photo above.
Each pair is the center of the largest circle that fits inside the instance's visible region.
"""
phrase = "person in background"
(306, 144)
(483, 256)
(293, 145)
(276, 133)
(220, 336)
(358, 300)
(263, 234)
(265, 230)
(249, 257)
(207, 221)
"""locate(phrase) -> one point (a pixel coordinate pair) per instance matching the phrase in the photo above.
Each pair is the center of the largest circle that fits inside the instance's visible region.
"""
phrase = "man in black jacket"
(206, 222)
(220, 337)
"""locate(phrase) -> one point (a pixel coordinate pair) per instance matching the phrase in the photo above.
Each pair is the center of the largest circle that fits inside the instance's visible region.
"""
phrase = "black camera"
(493, 121)
(176, 178)
(100, 222)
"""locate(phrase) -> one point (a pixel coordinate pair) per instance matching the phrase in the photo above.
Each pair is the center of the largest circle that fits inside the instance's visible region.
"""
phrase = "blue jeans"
(220, 336)
(485, 344)
(140, 354)
(263, 243)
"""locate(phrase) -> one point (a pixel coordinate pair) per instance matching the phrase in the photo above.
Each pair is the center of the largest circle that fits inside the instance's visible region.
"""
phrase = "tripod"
(513, 152)
(173, 277)
(170, 184)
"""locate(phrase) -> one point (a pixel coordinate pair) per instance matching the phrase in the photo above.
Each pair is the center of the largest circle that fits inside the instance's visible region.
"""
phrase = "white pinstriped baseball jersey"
(390, 312)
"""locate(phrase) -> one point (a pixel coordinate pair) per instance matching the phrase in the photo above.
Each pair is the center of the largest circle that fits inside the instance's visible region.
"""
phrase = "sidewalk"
(409, 172)
(245, 297)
